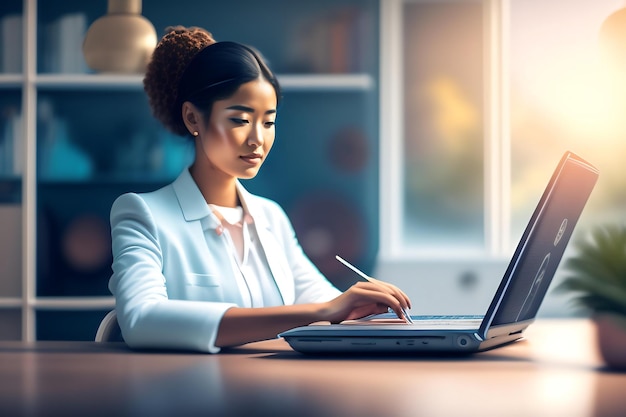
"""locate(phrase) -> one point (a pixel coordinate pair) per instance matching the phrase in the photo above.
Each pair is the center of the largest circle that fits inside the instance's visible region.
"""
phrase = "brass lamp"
(122, 41)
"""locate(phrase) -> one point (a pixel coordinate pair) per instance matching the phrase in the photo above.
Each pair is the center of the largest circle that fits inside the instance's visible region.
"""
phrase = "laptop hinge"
(509, 329)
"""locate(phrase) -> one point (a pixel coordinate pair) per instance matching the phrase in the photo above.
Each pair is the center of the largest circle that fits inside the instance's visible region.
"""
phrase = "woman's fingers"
(366, 310)
(365, 298)
(395, 291)
(374, 292)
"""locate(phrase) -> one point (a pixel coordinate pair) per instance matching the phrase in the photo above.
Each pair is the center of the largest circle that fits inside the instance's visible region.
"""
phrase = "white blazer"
(172, 277)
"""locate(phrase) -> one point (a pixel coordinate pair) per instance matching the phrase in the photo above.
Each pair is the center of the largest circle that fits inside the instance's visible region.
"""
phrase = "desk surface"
(555, 371)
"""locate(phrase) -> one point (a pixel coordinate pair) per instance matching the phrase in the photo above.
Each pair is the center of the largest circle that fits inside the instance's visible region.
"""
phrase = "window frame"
(497, 139)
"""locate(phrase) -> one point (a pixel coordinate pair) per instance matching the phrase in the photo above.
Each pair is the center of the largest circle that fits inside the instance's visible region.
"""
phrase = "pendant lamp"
(122, 41)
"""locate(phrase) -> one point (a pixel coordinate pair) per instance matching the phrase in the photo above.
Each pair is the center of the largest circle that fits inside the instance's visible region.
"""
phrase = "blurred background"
(415, 139)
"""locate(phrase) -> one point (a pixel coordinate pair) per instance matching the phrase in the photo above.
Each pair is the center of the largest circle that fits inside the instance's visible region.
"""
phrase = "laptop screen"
(543, 243)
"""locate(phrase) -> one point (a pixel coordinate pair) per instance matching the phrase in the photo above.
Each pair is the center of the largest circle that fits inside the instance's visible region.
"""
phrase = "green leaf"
(596, 273)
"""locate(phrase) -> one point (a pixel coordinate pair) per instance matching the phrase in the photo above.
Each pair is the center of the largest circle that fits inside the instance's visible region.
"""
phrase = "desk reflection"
(555, 371)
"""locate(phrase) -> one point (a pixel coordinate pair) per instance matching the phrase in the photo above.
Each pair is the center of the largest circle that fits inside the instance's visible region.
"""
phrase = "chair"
(109, 329)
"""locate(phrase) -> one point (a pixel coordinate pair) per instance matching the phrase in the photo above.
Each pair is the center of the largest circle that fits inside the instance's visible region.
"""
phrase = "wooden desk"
(554, 372)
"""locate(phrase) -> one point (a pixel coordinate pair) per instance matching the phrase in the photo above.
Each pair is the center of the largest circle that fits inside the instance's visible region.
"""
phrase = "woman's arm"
(244, 325)
(147, 315)
(150, 319)
(316, 298)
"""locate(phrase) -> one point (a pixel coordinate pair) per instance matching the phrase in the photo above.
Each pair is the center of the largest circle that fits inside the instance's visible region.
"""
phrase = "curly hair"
(169, 60)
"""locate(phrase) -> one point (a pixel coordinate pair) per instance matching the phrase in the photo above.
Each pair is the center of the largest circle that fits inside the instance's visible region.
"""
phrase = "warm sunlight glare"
(454, 114)
(559, 70)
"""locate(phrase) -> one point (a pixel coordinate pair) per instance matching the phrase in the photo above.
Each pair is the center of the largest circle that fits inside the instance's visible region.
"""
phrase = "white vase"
(122, 41)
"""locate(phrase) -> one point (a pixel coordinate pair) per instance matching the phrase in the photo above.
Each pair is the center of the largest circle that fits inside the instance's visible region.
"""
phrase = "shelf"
(91, 81)
(10, 302)
(11, 80)
(289, 82)
(339, 82)
(108, 181)
(73, 303)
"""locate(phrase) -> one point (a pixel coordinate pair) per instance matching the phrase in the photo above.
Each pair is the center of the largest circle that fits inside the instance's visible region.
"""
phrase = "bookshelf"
(79, 139)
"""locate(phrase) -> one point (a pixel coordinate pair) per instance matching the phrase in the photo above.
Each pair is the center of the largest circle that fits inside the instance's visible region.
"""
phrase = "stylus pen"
(368, 278)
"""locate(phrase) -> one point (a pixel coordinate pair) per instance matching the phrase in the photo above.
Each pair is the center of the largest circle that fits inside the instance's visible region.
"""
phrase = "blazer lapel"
(274, 253)
(194, 207)
(195, 210)
(191, 200)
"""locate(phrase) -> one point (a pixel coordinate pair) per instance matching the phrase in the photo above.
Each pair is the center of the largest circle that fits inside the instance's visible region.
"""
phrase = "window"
(479, 99)
(567, 91)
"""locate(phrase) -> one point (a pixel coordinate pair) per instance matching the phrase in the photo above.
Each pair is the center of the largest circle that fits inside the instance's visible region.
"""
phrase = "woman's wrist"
(327, 312)
(321, 312)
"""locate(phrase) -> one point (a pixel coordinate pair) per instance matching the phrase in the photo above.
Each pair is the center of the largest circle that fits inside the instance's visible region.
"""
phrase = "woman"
(201, 263)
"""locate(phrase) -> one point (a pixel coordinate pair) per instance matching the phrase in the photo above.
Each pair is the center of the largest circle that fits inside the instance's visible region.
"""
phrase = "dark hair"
(189, 65)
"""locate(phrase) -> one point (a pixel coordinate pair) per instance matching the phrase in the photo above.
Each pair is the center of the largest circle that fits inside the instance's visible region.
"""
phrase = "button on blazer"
(172, 274)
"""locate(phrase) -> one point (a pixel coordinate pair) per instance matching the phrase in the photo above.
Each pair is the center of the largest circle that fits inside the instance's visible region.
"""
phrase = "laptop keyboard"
(425, 318)
(421, 321)
(449, 317)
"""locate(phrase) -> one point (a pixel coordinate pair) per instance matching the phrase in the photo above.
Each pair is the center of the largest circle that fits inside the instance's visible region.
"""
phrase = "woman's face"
(241, 132)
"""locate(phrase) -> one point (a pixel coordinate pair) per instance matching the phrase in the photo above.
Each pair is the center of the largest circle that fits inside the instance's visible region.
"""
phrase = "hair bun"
(191, 31)
(172, 54)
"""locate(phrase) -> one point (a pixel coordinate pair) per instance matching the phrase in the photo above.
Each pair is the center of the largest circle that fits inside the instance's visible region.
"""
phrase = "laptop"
(514, 305)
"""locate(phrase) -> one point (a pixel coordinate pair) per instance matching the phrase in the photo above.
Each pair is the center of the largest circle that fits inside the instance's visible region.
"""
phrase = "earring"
(195, 133)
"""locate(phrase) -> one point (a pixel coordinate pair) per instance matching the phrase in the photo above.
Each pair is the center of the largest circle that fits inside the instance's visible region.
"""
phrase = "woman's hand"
(365, 298)
(244, 325)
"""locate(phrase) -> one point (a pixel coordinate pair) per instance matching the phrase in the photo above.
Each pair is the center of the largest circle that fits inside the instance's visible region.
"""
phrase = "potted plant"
(596, 274)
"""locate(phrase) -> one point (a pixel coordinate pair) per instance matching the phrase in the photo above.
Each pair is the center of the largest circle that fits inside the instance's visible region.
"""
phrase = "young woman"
(201, 263)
